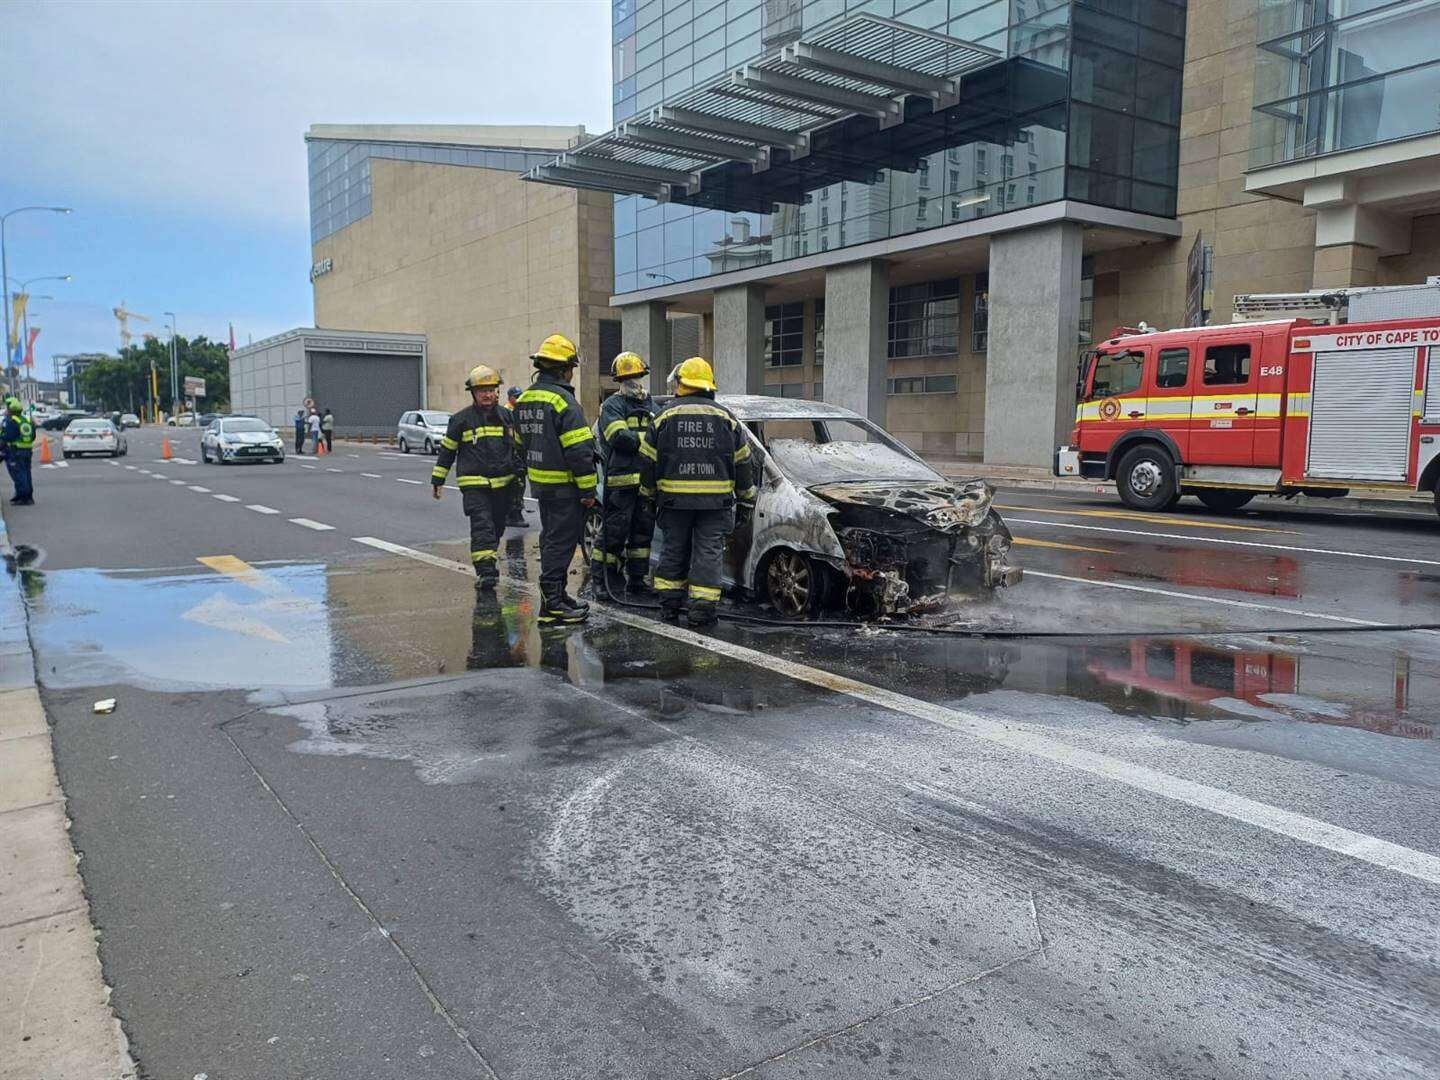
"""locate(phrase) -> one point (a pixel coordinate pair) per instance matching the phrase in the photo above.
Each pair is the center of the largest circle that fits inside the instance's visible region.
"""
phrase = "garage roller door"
(368, 392)
(1360, 414)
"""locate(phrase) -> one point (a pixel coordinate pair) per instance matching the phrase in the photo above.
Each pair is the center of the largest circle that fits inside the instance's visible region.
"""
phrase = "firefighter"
(697, 462)
(17, 438)
(517, 504)
(480, 442)
(557, 449)
(629, 519)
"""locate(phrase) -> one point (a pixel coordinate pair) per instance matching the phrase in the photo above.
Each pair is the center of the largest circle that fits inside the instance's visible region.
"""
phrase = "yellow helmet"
(696, 374)
(556, 349)
(482, 377)
(628, 365)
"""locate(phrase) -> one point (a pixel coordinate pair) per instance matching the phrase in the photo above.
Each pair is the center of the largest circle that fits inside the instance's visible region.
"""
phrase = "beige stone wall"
(481, 262)
(1423, 259)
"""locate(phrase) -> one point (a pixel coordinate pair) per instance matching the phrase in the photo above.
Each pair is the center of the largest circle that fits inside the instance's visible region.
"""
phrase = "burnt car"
(848, 517)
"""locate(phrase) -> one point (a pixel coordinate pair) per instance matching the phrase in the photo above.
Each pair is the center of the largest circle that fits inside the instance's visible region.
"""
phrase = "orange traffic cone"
(320, 450)
(45, 457)
(165, 451)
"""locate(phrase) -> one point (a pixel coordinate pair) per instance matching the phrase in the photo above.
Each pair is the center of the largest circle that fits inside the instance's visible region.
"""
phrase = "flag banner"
(21, 299)
(15, 354)
(30, 347)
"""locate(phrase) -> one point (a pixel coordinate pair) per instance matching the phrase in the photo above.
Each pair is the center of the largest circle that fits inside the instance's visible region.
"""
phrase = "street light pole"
(174, 368)
(5, 265)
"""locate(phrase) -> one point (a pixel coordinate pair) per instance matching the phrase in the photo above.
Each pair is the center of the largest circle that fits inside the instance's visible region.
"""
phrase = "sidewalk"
(55, 1018)
(1040, 478)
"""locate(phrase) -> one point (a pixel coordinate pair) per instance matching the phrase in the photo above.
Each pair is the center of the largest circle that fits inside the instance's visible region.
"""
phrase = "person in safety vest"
(517, 506)
(480, 442)
(629, 518)
(697, 461)
(17, 439)
(558, 451)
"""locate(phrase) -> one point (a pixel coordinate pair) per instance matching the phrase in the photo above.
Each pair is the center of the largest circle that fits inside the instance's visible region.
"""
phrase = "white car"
(185, 419)
(421, 429)
(92, 436)
(229, 439)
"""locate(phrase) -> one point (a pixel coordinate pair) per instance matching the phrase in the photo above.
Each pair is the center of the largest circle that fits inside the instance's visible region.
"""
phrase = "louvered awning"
(768, 111)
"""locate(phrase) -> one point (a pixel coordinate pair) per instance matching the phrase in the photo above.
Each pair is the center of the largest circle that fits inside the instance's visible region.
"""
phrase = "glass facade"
(1085, 106)
(1335, 75)
(340, 173)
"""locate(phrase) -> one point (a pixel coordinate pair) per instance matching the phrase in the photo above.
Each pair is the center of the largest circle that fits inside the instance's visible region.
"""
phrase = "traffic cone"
(165, 451)
(320, 450)
(45, 458)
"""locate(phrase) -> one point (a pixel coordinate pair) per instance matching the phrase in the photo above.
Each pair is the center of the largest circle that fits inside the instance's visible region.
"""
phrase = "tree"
(124, 382)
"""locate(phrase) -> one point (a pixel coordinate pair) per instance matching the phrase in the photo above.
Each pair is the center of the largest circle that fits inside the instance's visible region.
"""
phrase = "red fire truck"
(1285, 407)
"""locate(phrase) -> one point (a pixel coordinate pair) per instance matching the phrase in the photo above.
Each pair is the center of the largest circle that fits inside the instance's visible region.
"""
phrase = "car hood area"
(942, 506)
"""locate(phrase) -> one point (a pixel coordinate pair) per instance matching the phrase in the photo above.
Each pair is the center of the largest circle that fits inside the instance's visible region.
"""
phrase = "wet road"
(348, 823)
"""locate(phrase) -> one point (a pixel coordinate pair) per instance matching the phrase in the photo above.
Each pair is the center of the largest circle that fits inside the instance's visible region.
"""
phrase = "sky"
(175, 131)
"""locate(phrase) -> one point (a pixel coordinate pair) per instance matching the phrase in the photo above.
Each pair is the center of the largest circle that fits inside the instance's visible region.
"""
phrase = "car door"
(1223, 414)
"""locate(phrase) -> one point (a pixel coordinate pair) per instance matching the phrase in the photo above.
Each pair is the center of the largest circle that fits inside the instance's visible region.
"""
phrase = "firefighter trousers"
(487, 509)
(691, 559)
(562, 521)
(629, 526)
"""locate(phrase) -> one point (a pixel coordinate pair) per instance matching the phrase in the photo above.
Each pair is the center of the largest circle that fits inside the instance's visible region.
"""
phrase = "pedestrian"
(696, 460)
(313, 424)
(629, 520)
(557, 449)
(17, 439)
(327, 427)
(480, 443)
(299, 431)
(517, 504)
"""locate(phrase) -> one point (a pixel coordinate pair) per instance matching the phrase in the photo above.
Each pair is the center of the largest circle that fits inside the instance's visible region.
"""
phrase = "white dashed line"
(158, 476)
(132, 468)
(1420, 865)
(318, 526)
(304, 466)
(225, 498)
(145, 472)
(334, 470)
(372, 475)
(403, 480)
(261, 509)
(202, 490)
(180, 482)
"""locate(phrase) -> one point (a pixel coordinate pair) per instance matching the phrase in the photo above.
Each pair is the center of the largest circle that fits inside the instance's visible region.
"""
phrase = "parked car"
(206, 419)
(229, 439)
(88, 435)
(129, 420)
(848, 517)
(421, 429)
(60, 421)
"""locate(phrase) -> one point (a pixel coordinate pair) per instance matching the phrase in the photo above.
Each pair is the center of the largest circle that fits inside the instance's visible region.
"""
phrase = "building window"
(785, 335)
(922, 384)
(921, 205)
(924, 319)
(819, 332)
(1087, 300)
(980, 315)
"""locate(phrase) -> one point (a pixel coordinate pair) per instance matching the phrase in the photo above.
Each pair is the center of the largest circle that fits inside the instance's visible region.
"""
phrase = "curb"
(55, 1017)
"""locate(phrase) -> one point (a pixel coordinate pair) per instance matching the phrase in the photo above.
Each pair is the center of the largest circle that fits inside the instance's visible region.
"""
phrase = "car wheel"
(66, 454)
(1146, 479)
(404, 446)
(1224, 500)
(591, 536)
(792, 583)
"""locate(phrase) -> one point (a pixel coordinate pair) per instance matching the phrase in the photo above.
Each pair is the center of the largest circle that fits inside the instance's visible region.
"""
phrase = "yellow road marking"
(1063, 547)
(244, 573)
(1150, 519)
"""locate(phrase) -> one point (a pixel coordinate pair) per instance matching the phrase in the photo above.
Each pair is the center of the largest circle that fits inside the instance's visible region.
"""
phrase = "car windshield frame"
(227, 428)
(917, 469)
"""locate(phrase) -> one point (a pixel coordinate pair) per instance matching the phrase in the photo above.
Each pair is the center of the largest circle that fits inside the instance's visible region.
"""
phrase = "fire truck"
(1278, 407)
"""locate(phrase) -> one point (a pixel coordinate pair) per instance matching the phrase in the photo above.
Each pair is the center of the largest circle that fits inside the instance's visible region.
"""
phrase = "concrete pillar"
(1342, 265)
(707, 334)
(645, 330)
(857, 319)
(739, 319)
(1033, 350)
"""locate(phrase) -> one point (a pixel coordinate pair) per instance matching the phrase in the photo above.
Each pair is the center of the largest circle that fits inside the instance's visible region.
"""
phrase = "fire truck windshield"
(1116, 373)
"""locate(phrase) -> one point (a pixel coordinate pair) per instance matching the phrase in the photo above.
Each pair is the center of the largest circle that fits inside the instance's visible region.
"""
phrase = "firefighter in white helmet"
(629, 519)
(480, 443)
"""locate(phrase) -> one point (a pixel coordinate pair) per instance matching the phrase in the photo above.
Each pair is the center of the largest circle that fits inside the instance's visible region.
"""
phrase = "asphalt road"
(347, 822)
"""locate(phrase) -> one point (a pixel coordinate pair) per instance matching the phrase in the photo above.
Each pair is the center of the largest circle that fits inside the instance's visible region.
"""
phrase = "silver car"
(230, 439)
(421, 429)
(93, 436)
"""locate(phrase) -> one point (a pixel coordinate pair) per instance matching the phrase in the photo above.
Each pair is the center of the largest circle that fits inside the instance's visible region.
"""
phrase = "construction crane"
(123, 317)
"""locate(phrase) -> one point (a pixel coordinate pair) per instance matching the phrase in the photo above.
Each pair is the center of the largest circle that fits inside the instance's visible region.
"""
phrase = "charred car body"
(848, 517)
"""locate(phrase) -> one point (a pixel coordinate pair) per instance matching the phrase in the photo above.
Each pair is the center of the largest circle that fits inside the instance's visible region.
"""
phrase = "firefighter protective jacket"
(481, 445)
(554, 441)
(695, 457)
(622, 421)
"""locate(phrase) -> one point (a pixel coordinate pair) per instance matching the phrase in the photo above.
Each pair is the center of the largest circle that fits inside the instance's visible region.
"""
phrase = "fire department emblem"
(1109, 409)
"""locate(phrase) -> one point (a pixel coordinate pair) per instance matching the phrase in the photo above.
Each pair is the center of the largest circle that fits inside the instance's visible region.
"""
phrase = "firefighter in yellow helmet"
(558, 451)
(629, 518)
(480, 443)
(697, 461)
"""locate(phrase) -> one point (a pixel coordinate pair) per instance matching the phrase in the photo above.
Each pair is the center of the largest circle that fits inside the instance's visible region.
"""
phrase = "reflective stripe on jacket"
(481, 445)
(622, 421)
(554, 440)
(696, 457)
(18, 433)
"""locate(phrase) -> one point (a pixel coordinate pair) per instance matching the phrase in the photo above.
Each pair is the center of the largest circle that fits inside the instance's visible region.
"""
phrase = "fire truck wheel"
(1146, 479)
(1224, 500)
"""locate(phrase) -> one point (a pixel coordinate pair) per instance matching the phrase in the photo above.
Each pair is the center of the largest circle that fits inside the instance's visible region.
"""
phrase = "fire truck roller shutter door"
(1361, 405)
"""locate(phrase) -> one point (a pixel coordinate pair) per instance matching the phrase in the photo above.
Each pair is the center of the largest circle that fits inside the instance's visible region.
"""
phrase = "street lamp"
(4, 264)
(174, 368)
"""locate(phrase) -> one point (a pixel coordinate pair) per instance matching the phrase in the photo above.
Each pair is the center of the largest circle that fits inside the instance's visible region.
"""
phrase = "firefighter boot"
(636, 585)
(701, 613)
(560, 610)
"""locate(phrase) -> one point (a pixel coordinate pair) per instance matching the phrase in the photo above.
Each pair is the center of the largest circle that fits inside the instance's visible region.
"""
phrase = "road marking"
(180, 482)
(1149, 519)
(304, 466)
(403, 480)
(1382, 853)
(318, 526)
(202, 490)
(145, 472)
(1029, 542)
(352, 455)
(1224, 540)
(372, 475)
(391, 453)
(132, 468)
(334, 470)
(158, 476)
(225, 498)
(259, 509)
(240, 570)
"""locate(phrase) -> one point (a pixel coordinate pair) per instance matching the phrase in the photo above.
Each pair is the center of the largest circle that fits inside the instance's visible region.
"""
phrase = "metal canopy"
(769, 110)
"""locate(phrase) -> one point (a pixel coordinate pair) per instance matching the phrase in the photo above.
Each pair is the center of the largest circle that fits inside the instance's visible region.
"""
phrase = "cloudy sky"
(175, 131)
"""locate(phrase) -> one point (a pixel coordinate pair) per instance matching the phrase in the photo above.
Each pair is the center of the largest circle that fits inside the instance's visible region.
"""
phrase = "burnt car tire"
(792, 583)
(1224, 500)
(1146, 479)
(591, 532)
